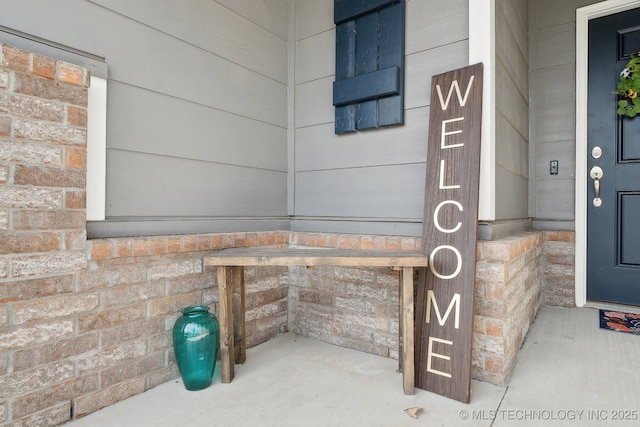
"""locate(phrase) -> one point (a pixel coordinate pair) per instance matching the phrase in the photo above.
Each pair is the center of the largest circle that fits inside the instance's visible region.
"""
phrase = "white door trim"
(583, 15)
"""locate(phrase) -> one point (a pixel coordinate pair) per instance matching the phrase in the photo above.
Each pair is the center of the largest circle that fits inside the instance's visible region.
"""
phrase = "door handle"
(596, 174)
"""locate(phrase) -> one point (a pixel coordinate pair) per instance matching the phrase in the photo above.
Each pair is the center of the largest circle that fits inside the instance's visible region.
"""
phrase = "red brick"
(43, 309)
(75, 199)
(48, 220)
(133, 368)
(174, 244)
(251, 239)
(128, 294)
(49, 177)
(29, 242)
(158, 245)
(393, 243)
(36, 288)
(229, 241)
(271, 239)
(76, 158)
(493, 327)
(262, 239)
(494, 364)
(75, 240)
(91, 402)
(343, 242)
(102, 319)
(204, 242)
(100, 249)
(282, 237)
(41, 399)
(70, 73)
(354, 242)
(53, 416)
(190, 243)
(122, 247)
(15, 58)
(173, 304)
(407, 244)
(77, 116)
(50, 89)
(51, 352)
(43, 66)
(140, 247)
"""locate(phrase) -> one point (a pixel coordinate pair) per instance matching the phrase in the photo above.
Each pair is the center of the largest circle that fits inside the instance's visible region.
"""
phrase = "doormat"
(621, 322)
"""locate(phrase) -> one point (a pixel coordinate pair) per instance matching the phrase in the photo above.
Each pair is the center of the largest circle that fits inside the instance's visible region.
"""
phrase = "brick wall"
(559, 264)
(43, 240)
(508, 295)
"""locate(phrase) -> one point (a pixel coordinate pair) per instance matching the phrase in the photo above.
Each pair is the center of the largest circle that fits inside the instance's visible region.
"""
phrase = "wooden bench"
(230, 265)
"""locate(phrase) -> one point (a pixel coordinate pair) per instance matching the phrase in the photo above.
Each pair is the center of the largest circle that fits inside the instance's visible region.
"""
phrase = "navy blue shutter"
(369, 87)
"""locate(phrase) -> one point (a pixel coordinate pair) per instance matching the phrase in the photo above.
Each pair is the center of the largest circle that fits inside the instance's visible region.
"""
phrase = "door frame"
(583, 16)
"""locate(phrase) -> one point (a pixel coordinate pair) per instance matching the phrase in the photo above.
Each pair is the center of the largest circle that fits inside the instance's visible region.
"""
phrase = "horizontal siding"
(313, 17)
(214, 28)
(317, 146)
(434, 23)
(421, 66)
(395, 191)
(191, 131)
(144, 184)
(311, 66)
(197, 103)
(272, 15)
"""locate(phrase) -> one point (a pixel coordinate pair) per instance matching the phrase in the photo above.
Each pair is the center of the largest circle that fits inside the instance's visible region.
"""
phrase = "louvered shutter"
(369, 86)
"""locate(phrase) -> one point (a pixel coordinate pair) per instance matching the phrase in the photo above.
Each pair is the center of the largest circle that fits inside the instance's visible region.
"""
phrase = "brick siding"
(559, 268)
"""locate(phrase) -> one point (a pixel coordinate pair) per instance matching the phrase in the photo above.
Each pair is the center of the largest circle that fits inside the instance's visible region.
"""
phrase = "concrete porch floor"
(569, 372)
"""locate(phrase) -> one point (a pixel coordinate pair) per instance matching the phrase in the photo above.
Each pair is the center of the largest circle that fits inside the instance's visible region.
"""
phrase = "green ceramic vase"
(195, 342)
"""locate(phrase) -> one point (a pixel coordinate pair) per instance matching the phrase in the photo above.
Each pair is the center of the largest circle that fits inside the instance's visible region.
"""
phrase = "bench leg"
(225, 319)
(235, 278)
(407, 330)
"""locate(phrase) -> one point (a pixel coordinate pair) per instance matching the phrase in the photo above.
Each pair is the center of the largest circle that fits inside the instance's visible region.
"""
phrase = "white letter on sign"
(453, 132)
(433, 268)
(442, 186)
(431, 354)
(435, 216)
(454, 302)
(454, 86)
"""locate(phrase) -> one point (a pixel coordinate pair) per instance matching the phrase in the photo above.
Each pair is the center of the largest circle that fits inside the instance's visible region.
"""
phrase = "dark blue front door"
(613, 166)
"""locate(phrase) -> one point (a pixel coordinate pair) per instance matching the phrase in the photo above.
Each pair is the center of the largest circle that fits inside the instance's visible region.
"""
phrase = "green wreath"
(629, 88)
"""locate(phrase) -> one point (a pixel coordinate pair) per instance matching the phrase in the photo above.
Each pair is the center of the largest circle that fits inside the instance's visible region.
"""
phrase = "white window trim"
(583, 16)
(96, 149)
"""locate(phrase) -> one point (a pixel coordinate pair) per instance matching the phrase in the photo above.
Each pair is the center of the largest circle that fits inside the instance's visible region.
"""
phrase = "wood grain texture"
(235, 279)
(407, 330)
(444, 312)
(288, 256)
(225, 319)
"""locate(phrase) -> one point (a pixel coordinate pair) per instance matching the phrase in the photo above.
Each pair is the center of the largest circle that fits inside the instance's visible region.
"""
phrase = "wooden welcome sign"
(444, 309)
